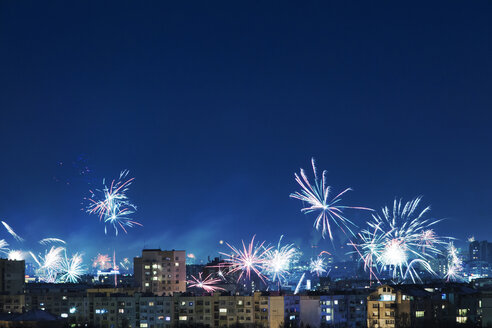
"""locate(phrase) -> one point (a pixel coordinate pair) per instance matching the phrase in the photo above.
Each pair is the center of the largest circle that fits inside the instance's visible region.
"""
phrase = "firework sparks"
(12, 232)
(47, 241)
(102, 261)
(317, 197)
(207, 284)
(317, 265)
(49, 264)
(71, 269)
(16, 255)
(4, 246)
(278, 261)
(455, 265)
(125, 264)
(112, 205)
(400, 239)
(249, 259)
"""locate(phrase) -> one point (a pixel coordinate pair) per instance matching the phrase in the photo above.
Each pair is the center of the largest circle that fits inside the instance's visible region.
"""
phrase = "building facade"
(160, 272)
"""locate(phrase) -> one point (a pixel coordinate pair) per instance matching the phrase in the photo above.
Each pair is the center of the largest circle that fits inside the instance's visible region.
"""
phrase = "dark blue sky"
(214, 105)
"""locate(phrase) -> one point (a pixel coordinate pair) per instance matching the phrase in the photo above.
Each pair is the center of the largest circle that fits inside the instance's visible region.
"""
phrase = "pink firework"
(249, 259)
(102, 262)
(427, 238)
(207, 284)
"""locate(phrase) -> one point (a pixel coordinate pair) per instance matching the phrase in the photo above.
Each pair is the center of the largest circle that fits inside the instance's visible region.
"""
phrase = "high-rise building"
(480, 251)
(160, 272)
(12, 275)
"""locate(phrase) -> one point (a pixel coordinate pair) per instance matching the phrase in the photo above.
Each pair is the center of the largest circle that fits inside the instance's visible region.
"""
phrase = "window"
(335, 302)
(176, 264)
(183, 318)
(461, 319)
(64, 315)
(121, 311)
(328, 317)
(222, 310)
(419, 314)
(151, 303)
(147, 267)
(143, 325)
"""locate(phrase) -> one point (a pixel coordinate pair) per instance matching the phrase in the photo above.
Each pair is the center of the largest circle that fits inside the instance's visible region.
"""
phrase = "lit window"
(168, 318)
(154, 278)
(151, 303)
(64, 315)
(240, 302)
(143, 325)
(176, 264)
(64, 297)
(328, 317)
(183, 303)
(292, 317)
(147, 284)
(335, 302)
(154, 266)
(121, 311)
(419, 314)
(147, 267)
(223, 310)
(461, 319)
(183, 318)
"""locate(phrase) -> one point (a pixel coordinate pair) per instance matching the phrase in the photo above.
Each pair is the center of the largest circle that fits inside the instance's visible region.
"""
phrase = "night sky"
(213, 106)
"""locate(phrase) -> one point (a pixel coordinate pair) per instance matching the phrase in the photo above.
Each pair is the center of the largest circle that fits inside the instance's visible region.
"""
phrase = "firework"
(298, 287)
(16, 255)
(400, 239)
(207, 284)
(112, 205)
(102, 261)
(317, 265)
(455, 265)
(71, 269)
(317, 197)
(249, 259)
(278, 261)
(49, 264)
(125, 264)
(12, 232)
(47, 241)
(4, 246)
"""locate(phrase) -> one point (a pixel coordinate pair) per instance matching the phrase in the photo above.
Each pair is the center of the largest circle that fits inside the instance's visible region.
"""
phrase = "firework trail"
(249, 259)
(317, 197)
(102, 261)
(47, 241)
(298, 287)
(207, 284)
(278, 261)
(12, 232)
(401, 239)
(112, 205)
(71, 269)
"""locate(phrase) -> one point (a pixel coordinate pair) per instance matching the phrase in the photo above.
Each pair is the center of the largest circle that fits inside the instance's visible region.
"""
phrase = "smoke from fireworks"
(112, 205)
(316, 196)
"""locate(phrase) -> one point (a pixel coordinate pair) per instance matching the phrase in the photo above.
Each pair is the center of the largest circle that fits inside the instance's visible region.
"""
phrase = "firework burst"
(207, 284)
(317, 198)
(102, 261)
(317, 266)
(278, 261)
(71, 269)
(455, 265)
(112, 205)
(12, 232)
(247, 260)
(400, 239)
